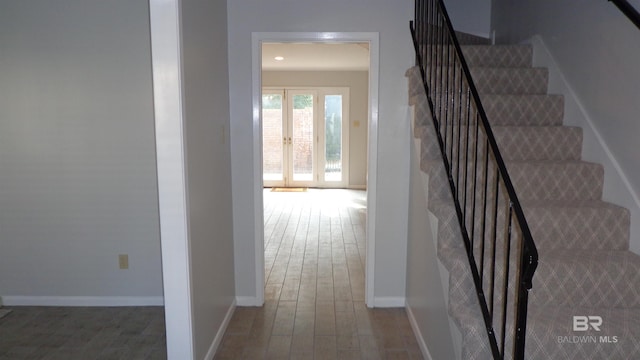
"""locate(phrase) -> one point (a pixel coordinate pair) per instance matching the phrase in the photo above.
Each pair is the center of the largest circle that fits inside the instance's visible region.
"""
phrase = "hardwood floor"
(314, 287)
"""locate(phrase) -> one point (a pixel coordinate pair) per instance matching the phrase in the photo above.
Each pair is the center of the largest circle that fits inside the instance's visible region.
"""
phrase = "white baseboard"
(83, 300)
(418, 334)
(388, 301)
(221, 330)
(248, 301)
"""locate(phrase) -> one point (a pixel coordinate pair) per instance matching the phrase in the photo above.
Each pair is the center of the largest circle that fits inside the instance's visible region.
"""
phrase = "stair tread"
(552, 162)
(556, 204)
(573, 204)
(582, 256)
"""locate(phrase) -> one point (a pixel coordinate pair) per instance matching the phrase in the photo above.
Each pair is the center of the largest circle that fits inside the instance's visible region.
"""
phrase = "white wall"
(206, 132)
(77, 160)
(596, 50)
(391, 20)
(470, 16)
(194, 172)
(427, 279)
(358, 83)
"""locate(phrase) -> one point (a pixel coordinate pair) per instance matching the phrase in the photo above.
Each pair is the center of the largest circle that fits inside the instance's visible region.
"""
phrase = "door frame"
(257, 38)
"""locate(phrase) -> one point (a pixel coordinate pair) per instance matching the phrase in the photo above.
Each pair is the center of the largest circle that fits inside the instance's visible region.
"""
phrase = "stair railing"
(628, 10)
(500, 249)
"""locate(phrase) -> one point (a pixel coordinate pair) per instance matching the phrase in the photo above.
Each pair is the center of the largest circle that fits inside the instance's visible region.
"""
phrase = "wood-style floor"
(314, 287)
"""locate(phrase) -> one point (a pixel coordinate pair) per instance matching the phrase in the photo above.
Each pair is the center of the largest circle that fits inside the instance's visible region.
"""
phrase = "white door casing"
(257, 39)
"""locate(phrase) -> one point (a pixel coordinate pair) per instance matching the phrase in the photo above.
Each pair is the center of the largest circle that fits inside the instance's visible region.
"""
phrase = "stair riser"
(579, 228)
(557, 181)
(451, 83)
(510, 81)
(483, 56)
(594, 228)
(540, 110)
(610, 280)
(516, 143)
(498, 56)
(569, 181)
(515, 110)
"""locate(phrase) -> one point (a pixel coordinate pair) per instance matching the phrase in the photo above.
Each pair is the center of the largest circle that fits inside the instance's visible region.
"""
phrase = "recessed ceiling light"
(279, 58)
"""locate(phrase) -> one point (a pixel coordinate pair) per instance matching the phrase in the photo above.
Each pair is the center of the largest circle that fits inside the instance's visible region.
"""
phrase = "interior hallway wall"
(470, 16)
(194, 171)
(208, 165)
(77, 158)
(390, 19)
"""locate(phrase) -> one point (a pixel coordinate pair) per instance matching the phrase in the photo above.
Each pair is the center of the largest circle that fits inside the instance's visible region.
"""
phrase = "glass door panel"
(273, 136)
(305, 137)
(302, 136)
(333, 137)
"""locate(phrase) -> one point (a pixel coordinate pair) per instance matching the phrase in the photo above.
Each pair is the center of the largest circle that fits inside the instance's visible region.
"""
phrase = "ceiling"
(316, 56)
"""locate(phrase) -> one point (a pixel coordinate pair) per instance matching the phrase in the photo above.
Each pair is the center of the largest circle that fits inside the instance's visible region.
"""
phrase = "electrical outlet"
(123, 261)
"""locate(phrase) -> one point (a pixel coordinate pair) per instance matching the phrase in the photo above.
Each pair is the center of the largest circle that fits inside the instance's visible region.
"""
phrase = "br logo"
(584, 323)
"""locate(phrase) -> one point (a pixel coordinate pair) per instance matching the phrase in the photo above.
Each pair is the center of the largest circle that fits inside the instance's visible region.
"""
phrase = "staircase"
(585, 300)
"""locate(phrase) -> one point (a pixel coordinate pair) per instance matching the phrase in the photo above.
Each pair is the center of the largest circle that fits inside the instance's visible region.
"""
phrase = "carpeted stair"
(585, 267)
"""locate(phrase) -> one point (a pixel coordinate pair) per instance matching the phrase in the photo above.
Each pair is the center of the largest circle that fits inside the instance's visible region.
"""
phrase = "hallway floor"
(314, 293)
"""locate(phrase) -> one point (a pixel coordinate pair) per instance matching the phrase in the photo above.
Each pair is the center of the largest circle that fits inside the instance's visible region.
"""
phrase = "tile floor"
(83, 333)
(314, 294)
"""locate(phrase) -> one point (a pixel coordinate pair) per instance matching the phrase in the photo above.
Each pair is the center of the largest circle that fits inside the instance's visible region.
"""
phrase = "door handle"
(289, 141)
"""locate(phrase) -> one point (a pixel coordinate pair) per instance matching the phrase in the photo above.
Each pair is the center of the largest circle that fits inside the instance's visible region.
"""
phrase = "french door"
(305, 137)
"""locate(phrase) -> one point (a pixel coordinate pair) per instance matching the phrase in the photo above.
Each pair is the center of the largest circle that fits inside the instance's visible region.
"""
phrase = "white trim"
(83, 300)
(389, 301)
(372, 168)
(374, 68)
(617, 188)
(221, 330)
(258, 209)
(248, 301)
(419, 338)
(167, 70)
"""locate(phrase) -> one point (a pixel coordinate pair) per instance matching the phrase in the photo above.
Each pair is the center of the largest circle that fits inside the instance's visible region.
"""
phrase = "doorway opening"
(337, 149)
